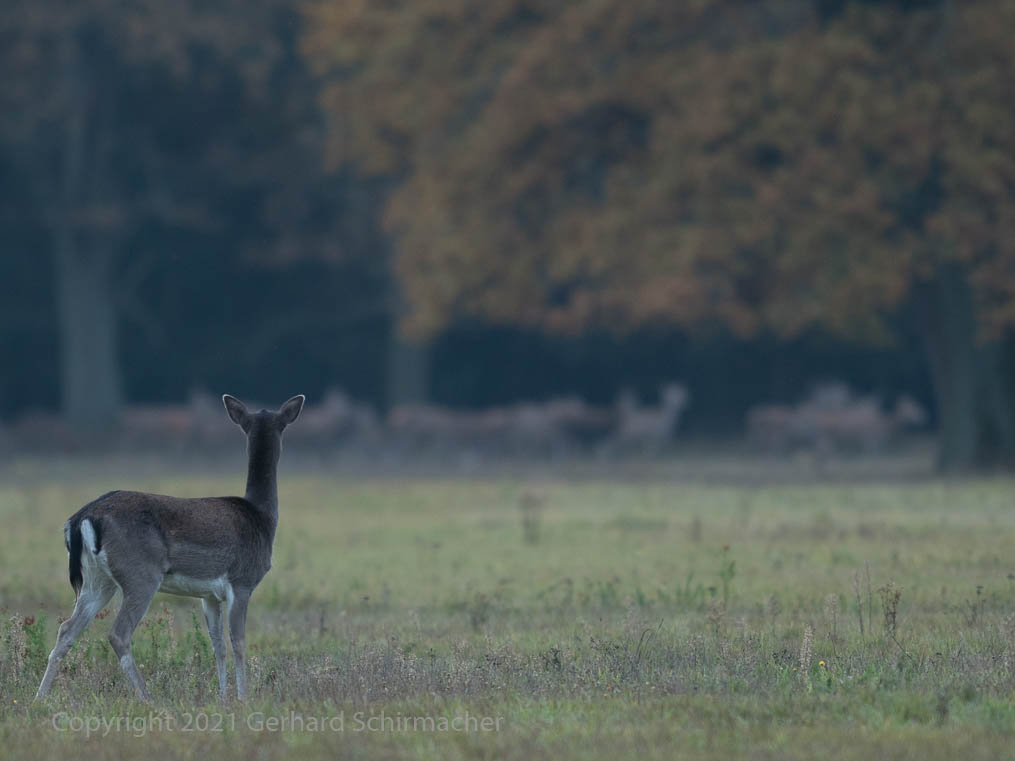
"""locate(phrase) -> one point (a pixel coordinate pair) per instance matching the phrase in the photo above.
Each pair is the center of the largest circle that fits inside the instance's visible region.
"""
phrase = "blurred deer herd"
(830, 419)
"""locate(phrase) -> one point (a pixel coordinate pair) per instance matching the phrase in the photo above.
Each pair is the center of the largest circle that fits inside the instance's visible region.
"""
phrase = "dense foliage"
(769, 165)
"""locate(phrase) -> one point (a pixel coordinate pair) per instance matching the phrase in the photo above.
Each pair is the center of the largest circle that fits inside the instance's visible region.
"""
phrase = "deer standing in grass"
(214, 548)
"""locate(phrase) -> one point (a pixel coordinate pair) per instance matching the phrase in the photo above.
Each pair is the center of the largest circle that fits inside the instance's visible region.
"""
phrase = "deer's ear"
(237, 410)
(291, 409)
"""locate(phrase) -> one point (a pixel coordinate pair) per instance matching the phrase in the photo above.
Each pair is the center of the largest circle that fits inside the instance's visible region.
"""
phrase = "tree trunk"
(89, 365)
(408, 371)
(90, 371)
(408, 361)
(974, 415)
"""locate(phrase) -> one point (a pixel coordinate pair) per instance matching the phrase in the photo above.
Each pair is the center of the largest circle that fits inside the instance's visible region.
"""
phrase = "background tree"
(152, 152)
(773, 166)
(101, 160)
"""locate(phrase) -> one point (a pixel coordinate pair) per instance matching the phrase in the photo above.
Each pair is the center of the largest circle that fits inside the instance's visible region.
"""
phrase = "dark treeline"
(193, 325)
(257, 195)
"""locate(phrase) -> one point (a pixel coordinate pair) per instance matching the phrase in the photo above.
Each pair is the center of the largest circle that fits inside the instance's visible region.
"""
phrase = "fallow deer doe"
(214, 548)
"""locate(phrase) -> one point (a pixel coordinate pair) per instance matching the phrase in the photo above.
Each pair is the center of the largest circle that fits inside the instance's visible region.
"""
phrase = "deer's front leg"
(213, 617)
(237, 633)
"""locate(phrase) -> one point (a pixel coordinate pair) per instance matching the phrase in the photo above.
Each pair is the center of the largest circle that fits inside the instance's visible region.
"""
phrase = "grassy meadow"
(593, 618)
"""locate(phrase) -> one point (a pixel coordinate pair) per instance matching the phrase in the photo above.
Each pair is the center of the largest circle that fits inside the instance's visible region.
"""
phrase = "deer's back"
(198, 537)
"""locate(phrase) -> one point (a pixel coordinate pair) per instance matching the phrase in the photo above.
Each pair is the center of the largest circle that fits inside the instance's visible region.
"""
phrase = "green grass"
(628, 620)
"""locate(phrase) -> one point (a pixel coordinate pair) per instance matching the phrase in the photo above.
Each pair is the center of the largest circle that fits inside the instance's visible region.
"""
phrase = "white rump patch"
(97, 583)
(88, 536)
(218, 588)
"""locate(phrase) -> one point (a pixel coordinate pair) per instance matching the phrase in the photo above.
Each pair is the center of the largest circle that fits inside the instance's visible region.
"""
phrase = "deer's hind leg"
(137, 596)
(97, 589)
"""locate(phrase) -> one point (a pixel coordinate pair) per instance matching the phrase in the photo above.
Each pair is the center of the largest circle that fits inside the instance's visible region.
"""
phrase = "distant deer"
(214, 548)
(832, 418)
(337, 419)
(649, 429)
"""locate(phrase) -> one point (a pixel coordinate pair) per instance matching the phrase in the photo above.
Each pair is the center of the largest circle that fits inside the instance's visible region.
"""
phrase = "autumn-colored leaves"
(609, 163)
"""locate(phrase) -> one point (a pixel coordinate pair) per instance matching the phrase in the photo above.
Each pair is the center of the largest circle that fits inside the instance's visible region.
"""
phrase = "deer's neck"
(262, 476)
